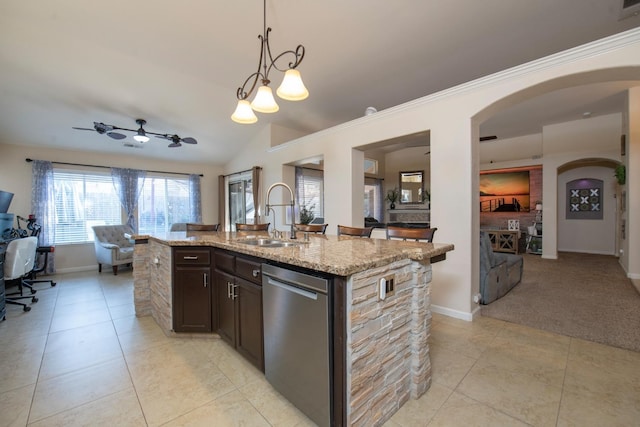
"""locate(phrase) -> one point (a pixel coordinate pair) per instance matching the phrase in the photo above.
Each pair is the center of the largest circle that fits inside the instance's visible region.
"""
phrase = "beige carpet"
(580, 295)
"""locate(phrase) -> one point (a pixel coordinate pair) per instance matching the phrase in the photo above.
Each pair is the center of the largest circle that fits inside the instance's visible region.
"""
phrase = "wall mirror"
(411, 187)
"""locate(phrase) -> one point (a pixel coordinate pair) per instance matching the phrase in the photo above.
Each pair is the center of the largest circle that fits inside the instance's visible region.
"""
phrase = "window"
(82, 200)
(373, 202)
(241, 209)
(310, 190)
(163, 201)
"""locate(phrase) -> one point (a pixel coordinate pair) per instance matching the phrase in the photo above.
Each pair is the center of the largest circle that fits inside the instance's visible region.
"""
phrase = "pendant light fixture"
(291, 89)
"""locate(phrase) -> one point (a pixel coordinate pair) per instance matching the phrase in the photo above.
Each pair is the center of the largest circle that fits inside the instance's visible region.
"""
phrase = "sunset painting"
(504, 192)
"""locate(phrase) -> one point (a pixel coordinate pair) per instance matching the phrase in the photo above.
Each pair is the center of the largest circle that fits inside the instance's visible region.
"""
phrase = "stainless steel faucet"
(292, 204)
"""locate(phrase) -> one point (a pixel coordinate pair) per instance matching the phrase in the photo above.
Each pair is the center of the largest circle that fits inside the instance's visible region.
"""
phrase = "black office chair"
(19, 264)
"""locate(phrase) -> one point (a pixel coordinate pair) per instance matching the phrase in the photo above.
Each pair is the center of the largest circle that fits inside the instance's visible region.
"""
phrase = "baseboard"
(543, 256)
(633, 275)
(587, 252)
(77, 269)
(453, 313)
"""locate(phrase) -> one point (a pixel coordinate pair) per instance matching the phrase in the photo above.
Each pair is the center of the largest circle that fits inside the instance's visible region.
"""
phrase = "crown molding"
(595, 48)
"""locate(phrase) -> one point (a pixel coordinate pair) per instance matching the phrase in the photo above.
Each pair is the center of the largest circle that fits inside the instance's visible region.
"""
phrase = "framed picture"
(513, 224)
(504, 191)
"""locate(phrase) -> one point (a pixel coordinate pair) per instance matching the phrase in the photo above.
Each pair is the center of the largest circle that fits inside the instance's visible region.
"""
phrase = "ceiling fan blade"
(84, 129)
(116, 135)
(174, 145)
(189, 140)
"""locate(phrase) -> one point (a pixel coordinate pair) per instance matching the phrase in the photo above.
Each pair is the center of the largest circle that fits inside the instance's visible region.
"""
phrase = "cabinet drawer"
(192, 256)
(249, 270)
(225, 261)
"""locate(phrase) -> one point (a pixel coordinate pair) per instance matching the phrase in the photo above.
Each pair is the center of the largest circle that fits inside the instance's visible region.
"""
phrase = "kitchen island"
(380, 353)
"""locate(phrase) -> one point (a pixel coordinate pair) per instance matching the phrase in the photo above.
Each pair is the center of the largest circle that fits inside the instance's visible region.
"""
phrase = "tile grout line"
(564, 378)
(124, 357)
(44, 349)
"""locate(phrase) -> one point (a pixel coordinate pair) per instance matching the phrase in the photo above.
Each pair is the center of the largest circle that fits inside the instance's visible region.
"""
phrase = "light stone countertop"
(338, 255)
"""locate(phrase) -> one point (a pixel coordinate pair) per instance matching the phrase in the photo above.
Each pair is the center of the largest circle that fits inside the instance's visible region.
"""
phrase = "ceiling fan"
(140, 133)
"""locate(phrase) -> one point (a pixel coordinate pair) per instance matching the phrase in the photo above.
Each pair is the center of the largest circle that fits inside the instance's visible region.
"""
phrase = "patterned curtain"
(128, 184)
(379, 206)
(255, 182)
(222, 213)
(195, 198)
(43, 206)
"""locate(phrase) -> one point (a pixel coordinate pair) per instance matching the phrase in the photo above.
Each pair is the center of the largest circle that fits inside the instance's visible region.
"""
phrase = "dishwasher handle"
(287, 287)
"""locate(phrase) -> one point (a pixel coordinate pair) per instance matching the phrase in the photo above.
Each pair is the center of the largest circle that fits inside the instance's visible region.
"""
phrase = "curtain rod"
(241, 172)
(109, 167)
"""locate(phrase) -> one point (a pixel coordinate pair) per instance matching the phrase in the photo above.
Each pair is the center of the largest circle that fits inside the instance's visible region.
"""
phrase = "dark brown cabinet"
(238, 282)
(193, 299)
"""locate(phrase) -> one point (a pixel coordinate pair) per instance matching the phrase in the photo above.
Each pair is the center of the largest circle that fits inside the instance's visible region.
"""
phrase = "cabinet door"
(225, 310)
(192, 299)
(249, 333)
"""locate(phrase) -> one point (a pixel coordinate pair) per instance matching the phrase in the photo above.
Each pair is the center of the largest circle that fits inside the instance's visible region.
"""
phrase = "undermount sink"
(268, 243)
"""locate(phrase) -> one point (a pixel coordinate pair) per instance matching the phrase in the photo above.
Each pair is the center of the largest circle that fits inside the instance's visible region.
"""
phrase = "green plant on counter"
(426, 196)
(393, 195)
(306, 214)
(621, 174)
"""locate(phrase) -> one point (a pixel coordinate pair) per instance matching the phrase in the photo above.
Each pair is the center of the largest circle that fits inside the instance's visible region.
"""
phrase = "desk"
(504, 240)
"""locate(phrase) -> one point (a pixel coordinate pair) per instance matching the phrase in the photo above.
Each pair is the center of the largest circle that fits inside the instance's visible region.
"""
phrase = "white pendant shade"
(264, 101)
(292, 88)
(141, 138)
(244, 114)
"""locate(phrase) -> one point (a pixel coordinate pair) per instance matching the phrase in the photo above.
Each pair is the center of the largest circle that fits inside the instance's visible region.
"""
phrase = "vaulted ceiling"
(178, 65)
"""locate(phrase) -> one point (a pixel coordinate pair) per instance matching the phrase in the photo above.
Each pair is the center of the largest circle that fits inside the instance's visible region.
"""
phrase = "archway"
(551, 165)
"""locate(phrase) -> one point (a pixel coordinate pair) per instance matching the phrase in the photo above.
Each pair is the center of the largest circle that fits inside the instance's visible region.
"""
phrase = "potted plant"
(392, 197)
(426, 197)
(621, 174)
(306, 214)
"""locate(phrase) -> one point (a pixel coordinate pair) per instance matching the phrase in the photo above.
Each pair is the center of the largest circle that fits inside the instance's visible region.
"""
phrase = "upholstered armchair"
(112, 247)
(499, 272)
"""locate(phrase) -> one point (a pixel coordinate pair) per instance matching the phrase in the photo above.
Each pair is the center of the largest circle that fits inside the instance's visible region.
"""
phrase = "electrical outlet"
(390, 284)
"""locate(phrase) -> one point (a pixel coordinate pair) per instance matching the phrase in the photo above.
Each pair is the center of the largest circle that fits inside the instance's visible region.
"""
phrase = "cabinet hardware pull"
(190, 258)
(229, 284)
(256, 273)
(233, 292)
(205, 280)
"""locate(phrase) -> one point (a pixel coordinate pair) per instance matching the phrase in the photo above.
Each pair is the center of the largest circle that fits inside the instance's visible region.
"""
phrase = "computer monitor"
(5, 201)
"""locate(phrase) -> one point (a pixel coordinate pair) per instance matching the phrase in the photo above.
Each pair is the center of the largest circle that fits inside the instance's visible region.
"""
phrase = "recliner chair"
(499, 272)
(112, 247)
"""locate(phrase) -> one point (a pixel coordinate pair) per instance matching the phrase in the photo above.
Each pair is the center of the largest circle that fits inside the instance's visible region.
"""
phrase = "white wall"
(631, 246)
(563, 143)
(408, 159)
(588, 235)
(15, 177)
(519, 149)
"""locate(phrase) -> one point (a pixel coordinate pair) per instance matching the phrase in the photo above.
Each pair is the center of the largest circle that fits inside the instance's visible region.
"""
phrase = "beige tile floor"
(82, 358)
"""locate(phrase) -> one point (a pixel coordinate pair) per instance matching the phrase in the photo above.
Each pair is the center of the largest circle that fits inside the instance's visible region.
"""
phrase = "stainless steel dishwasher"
(296, 339)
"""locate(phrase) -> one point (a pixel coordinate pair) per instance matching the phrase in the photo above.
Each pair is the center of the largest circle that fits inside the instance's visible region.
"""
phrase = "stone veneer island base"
(381, 352)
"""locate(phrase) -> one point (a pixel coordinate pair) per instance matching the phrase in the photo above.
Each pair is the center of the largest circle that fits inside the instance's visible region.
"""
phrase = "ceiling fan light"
(244, 114)
(264, 101)
(141, 137)
(292, 88)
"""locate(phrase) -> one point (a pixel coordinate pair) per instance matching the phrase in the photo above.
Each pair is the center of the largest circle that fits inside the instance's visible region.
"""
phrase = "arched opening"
(591, 150)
